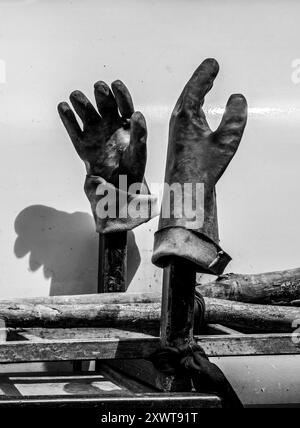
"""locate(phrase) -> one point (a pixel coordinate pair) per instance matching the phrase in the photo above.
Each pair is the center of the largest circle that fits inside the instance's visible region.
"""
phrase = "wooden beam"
(131, 347)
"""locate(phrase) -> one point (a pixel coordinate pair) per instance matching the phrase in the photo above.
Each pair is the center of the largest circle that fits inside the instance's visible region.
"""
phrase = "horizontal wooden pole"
(130, 316)
(103, 311)
(102, 298)
(277, 288)
(249, 317)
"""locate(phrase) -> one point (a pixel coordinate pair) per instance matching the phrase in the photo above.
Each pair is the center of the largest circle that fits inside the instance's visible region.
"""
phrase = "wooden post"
(112, 262)
(112, 267)
(177, 312)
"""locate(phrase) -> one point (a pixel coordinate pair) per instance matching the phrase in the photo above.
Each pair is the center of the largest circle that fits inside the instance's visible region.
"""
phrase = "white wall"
(48, 244)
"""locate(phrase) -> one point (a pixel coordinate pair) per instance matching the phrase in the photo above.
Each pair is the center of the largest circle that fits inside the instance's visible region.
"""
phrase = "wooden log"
(248, 317)
(108, 298)
(275, 288)
(131, 316)
(144, 317)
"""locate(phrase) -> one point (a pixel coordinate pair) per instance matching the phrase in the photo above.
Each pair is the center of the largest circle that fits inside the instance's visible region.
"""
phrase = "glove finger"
(231, 128)
(192, 97)
(84, 108)
(123, 99)
(106, 102)
(138, 144)
(70, 123)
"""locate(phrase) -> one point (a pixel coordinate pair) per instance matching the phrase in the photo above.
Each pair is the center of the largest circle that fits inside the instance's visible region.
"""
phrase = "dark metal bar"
(112, 262)
(112, 273)
(177, 313)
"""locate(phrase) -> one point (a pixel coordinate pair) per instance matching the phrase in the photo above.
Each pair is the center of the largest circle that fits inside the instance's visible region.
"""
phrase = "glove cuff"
(172, 242)
(202, 219)
(116, 210)
(176, 238)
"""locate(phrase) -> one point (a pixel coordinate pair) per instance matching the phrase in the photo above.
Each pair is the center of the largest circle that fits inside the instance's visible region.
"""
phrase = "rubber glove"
(112, 144)
(197, 156)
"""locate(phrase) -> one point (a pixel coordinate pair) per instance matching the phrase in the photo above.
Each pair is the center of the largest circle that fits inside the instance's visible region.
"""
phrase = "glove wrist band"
(116, 210)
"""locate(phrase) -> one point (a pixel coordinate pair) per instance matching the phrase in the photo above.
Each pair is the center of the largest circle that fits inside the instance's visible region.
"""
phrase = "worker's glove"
(197, 156)
(112, 145)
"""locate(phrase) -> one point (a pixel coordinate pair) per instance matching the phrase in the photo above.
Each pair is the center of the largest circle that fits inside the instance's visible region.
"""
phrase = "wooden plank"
(42, 334)
(75, 349)
(141, 348)
(112, 262)
(180, 402)
(249, 345)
